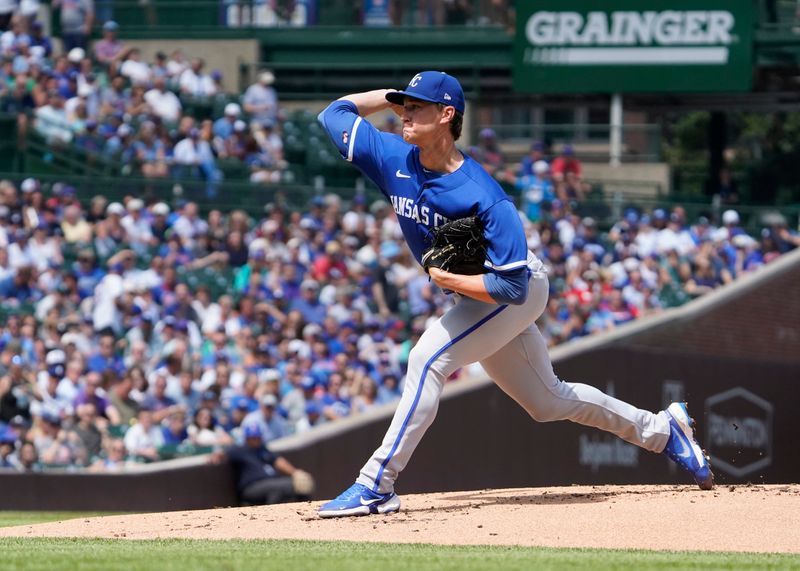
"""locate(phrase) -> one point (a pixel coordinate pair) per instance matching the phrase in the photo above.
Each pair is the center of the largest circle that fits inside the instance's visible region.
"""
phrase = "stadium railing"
(640, 143)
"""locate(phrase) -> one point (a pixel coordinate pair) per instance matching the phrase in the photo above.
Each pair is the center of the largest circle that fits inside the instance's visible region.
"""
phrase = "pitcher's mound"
(740, 518)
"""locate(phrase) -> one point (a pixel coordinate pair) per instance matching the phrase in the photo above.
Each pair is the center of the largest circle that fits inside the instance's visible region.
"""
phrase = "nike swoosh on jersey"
(398, 174)
(368, 502)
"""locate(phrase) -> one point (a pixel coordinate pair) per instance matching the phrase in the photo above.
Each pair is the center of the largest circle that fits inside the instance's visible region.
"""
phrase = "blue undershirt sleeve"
(509, 287)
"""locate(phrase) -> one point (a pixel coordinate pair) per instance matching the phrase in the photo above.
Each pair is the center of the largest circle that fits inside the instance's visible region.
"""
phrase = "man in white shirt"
(261, 101)
(192, 151)
(164, 103)
(135, 69)
(51, 121)
(196, 83)
(106, 292)
(176, 64)
(193, 158)
(144, 438)
(136, 226)
(188, 225)
(10, 39)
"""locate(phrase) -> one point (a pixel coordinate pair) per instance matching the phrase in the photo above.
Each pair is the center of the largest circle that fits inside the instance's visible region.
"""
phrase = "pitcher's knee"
(425, 362)
(545, 414)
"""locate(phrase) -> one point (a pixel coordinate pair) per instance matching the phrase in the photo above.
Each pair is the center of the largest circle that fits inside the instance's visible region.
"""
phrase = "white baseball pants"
(509, 346)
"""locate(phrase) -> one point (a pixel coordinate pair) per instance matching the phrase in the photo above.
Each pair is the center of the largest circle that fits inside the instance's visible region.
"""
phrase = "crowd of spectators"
(296, 13)
(111, 356)
(77, 17)
(117, 342)
(112, 105)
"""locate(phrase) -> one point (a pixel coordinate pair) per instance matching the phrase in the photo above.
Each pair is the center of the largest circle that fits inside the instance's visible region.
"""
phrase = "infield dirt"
(757, 518)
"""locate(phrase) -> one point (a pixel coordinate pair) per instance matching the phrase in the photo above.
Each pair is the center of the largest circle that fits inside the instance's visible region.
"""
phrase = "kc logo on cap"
(434, 87)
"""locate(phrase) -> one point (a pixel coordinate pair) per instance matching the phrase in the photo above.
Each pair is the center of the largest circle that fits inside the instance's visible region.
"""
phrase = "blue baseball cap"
(253, 431)
(433, 86)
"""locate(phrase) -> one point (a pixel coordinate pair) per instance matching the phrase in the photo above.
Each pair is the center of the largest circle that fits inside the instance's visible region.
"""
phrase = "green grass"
(35, 553)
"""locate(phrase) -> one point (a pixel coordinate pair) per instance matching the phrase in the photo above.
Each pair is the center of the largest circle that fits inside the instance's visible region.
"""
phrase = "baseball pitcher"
(431, 184)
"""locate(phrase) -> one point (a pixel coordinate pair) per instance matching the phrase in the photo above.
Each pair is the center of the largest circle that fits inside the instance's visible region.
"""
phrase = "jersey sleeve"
(503, 230)
(358, 141)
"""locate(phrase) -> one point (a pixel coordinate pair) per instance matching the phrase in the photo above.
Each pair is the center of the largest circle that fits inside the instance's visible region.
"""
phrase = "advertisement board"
(581, 46)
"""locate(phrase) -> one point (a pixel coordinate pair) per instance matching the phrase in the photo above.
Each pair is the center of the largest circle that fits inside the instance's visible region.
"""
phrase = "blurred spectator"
(537, 190)
(28, 458)
(205, 432)
(93, 392)
(109, 50)
(157, 400)
(150, 152)
(125, 406)
(115, 458)
(77, 17)
(271, 425)
(536, 153)
(566, 163)
(724, 186)
(194, 82)
(308, 304)
(261, 476)
(55, 446)
(143, 439)
(392, 125)
(224, 126)
(133, 68)
(490, 156)
(731, 221)
(174, 430)
(86, 431)
(194, 159)
(164, 103)
(40, 40)
(51, 120)
(106, 359)
(260, 100)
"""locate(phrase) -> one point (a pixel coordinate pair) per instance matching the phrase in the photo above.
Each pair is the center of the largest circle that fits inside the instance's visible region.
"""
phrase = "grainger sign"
(626, 46)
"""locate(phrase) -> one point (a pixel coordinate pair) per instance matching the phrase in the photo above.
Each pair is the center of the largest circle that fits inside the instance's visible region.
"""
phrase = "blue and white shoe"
(360, 500)
(683, 449)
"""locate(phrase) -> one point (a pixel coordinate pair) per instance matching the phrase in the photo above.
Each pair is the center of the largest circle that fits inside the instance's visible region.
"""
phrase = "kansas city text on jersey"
(407, 208)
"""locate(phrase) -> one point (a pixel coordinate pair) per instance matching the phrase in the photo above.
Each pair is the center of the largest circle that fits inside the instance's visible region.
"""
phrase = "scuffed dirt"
(756, 518)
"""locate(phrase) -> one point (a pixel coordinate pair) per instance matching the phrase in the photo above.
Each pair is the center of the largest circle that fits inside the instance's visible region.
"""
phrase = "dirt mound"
(741, 518)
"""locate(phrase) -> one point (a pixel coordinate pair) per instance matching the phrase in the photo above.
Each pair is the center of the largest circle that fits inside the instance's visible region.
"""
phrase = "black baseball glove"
(458, 247)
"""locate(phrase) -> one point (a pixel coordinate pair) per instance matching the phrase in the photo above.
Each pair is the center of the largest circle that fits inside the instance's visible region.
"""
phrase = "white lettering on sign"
(669, 37)
(670, 27)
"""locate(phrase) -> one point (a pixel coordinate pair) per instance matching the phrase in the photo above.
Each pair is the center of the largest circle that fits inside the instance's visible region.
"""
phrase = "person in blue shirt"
(536, 189)
(308, 303)
(106, 357)
(429, 181)
(223, 127)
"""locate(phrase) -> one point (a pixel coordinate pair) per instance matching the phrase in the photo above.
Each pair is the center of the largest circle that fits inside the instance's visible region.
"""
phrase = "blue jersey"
(424, 199)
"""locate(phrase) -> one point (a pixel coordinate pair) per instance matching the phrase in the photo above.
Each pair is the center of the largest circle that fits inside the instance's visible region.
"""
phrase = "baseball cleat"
(360, 500)
(683, 449)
